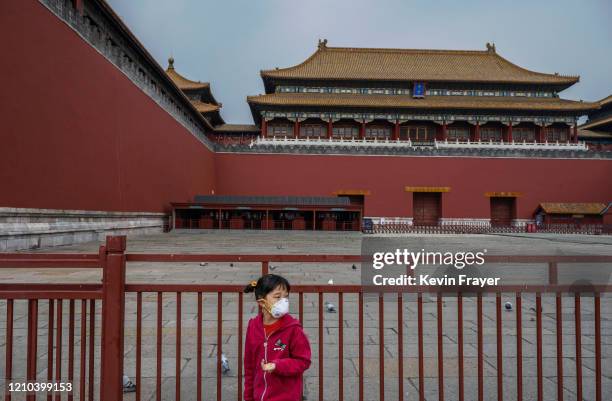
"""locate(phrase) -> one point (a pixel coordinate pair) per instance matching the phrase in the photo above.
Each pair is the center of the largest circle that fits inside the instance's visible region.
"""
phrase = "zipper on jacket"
(265, 361)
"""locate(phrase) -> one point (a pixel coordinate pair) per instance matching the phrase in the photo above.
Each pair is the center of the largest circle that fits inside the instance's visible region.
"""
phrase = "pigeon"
(508, 306)
(331, 308)
(273, 267)
(331, 281)
(203, 264)
(128, 385)
(224, 364)
(354, 267)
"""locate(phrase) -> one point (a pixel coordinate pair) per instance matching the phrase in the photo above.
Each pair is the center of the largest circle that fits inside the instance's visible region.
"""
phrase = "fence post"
(113, 308)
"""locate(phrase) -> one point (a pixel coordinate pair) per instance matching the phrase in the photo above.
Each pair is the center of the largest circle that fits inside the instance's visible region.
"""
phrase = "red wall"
(539, 180)
(75, 133)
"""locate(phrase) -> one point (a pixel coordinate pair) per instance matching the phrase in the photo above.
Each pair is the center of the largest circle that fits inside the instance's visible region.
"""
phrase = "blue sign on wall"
(418, 90)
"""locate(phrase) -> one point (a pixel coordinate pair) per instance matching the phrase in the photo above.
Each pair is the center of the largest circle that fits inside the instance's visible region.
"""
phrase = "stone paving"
(329, 243)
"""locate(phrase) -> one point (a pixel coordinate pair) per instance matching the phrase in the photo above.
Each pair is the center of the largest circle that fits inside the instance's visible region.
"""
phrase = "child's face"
(272, 297)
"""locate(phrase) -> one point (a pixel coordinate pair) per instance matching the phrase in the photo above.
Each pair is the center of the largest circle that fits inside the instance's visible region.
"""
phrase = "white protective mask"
(280, 308)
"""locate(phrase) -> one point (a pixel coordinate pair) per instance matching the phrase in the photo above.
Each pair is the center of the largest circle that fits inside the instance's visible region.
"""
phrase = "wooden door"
(502, 211)
(426, 208)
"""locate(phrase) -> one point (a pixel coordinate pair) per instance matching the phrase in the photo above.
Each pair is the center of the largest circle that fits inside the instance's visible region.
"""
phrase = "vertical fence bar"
(440, 349)
(113, 317)
(597, 305)
(50, 328)
(578, 347)
(158, 368)
(559, 321)
(420, 342)
(265, 268)
(83, 353)
(239, 398)
(519, 348)
(8, 370)
(539, 345)
(361, 346)
(301, 307)
(320, 346)
(460, 345)
(199, 350)
(381, 346)
(92, 350)
(58, 348)
(71, 347)
(219, 339)
(32, 344)
(400, 346)
(480, 347)
(138, 345)
(500, 379)
(340, 346)
(178, 348)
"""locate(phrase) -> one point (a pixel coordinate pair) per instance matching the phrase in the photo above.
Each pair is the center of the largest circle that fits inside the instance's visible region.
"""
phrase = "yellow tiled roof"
(414, 65)
(606, 100)
(596, 123)
(407, 101)
(204, 107)
(573, 208)
(182, 82)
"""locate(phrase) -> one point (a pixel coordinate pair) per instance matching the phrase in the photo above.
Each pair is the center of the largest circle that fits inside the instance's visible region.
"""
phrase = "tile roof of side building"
(200, 94)
(343, 63)
(182, 82)
(600, 119)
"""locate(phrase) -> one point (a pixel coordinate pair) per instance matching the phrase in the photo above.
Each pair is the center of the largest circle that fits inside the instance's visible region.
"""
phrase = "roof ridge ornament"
(322, 44)
(491, 47)
(170, 63)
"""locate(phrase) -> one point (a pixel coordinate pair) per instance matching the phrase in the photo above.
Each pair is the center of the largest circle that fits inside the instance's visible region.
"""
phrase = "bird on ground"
(331, 308)
(224, 364)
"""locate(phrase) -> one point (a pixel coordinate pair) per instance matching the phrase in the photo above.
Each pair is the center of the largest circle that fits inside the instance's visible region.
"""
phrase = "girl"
(276, 351)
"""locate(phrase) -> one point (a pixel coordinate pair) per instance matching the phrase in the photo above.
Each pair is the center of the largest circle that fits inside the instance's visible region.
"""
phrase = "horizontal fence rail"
(91, 323)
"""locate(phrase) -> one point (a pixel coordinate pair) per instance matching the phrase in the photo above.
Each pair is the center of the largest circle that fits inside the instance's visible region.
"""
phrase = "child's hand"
(267, 367)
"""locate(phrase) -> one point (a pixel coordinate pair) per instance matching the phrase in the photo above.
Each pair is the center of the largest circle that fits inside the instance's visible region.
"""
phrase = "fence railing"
(476, 228)
(114, 290)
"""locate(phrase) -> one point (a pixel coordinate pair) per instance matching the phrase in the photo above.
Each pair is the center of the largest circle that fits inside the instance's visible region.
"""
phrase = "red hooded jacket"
(288, 348)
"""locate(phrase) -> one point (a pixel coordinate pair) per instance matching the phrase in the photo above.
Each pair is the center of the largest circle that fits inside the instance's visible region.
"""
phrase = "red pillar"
(362, 130)
(264, 127)
(510, 132)
(444, 132)
(541, 138)
(477, 132)
(575, 133)
(396, 131)
(330, 129)
(296, 128)
(113, 307)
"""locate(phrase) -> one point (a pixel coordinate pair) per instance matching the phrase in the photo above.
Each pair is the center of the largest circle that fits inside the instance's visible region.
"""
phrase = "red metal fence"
(112, 292)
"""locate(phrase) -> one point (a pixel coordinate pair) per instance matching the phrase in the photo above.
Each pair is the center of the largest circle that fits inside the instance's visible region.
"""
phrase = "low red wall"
(538, 180)
(75, 133)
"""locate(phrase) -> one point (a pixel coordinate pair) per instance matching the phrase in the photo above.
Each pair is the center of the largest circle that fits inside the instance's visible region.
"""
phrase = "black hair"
(266, 284)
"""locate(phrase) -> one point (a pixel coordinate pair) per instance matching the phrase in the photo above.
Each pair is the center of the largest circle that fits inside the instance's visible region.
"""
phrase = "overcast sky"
(227, 42)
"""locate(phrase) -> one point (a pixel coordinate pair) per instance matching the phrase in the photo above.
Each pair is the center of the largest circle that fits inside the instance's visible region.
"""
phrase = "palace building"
(416, 96)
